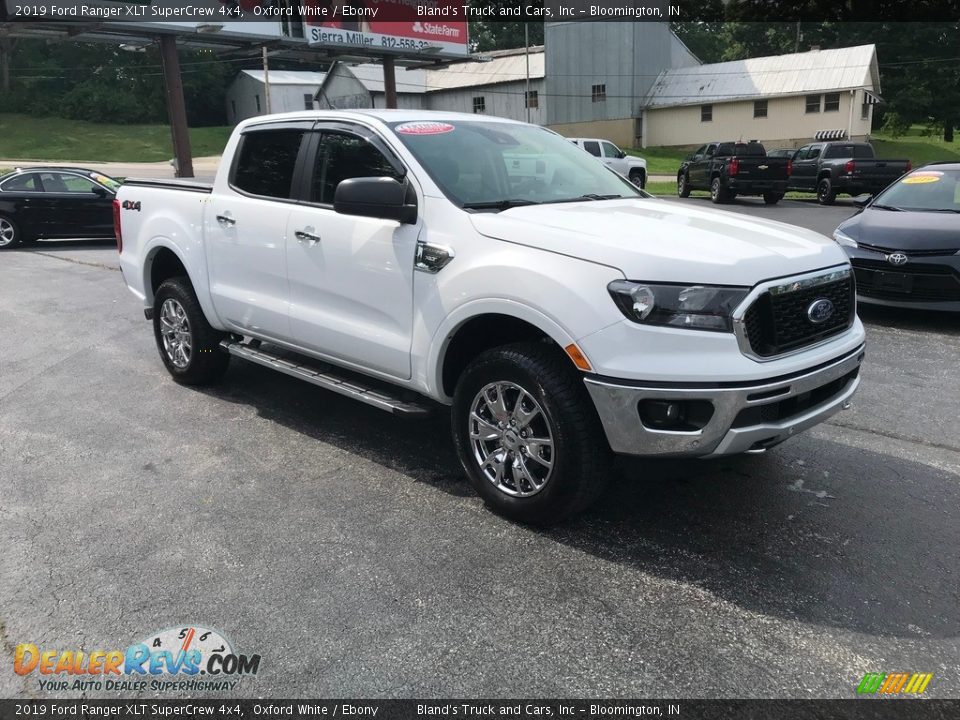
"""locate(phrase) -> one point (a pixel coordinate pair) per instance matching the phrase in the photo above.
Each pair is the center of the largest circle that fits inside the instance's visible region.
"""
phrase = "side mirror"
(378, 197)
(861, 201)
(621, 155)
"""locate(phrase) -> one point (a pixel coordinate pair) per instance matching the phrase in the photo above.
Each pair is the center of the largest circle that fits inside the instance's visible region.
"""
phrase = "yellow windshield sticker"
(922, 179)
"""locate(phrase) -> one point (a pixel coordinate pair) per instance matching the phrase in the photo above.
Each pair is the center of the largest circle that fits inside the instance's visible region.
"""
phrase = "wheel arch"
(483, 326)
(164, 260)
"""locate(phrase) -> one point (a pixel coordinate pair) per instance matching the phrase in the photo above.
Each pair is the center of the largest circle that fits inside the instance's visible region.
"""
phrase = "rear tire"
(683, 185)
(10, 235)
(189, 346)
(772, 198)
(718, 193)
(826, 195)
(528, 435)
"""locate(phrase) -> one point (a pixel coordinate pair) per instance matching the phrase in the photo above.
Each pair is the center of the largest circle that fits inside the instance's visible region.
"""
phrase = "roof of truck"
(384, 116)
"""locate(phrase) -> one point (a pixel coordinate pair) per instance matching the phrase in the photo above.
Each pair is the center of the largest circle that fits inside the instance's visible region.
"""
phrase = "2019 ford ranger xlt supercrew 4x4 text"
(416, 260)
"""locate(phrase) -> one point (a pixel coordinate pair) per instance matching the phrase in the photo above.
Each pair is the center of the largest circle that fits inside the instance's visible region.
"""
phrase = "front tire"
(826, 195)
(10, 235)
(638, 178)
(189, 346)
(527, 434)
(718, 193)
(683, 185)
(772, 198)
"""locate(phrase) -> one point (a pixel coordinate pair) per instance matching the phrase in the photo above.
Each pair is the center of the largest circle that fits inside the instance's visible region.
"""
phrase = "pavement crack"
(102, 266)
(894, 436)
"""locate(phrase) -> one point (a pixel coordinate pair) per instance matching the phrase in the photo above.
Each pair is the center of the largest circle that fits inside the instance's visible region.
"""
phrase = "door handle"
(226, 220)
(308, 236)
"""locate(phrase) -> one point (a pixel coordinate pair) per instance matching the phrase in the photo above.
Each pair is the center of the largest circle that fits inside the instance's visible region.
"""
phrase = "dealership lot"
(346, 547)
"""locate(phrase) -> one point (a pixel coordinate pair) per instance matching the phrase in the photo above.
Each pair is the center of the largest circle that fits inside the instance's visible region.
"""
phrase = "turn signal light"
(579, 359)
(789, 168)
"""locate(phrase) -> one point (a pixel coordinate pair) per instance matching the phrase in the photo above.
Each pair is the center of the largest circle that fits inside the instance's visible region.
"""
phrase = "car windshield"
(928, 190)
(496, 165)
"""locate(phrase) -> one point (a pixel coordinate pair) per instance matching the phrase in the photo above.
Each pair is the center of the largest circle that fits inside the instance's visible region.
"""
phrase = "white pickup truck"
(391, 256)
(632, 168)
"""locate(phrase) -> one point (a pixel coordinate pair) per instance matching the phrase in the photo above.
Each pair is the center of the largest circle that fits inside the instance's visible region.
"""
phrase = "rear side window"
(23, 183)
(849, 151)
(592, 147)
(266, 162)
(342, 157)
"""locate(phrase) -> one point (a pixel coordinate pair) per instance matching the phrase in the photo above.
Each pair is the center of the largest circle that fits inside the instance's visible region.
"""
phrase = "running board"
(322, 376)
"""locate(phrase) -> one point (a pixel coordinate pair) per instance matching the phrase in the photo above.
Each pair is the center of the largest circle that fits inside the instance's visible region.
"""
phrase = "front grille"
(938, 252)
(778, 323)
(797, 405)
(918, 283)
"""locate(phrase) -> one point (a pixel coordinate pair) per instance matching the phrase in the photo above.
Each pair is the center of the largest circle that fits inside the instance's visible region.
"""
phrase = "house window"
(533, 99)
(831, 102)
(598, 93)
(759, 108)
(813, 103)
(307, 101)
(257, 97)
(706, 113)
(865, 107)
(479, 105)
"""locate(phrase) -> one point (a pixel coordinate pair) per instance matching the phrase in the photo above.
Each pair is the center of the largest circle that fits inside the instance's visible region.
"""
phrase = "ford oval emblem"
(897, 258)
(820, 311)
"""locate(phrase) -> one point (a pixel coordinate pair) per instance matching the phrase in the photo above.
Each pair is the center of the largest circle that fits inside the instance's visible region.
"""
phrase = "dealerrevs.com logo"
(894, 683)
(175, 659)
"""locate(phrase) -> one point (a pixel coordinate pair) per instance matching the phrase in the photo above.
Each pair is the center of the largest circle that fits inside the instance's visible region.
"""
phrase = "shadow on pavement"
(815, 531)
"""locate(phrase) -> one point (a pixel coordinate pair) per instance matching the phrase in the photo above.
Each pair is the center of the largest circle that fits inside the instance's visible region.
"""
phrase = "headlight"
(699, 307)
(843, 239)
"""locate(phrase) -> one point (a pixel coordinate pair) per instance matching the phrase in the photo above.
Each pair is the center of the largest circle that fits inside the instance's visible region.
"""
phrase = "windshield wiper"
(588, 196)
(886, 207)
(498, 204)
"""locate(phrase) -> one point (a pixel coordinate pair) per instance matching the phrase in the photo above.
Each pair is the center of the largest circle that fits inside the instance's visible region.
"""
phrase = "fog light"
(676, 415)
(660, 413)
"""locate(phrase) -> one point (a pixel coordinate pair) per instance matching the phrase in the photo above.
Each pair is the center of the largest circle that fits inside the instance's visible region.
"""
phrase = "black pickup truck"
(832, 168)
(728, 169)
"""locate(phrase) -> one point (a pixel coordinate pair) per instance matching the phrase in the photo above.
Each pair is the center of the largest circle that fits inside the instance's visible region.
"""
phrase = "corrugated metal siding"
(498, 70)
(806, 72)
(501, 100)
(626, 57)
(344, 91)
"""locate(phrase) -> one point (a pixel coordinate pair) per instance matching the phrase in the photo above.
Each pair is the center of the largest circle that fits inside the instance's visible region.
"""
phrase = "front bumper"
(746, 417)
(929, 282)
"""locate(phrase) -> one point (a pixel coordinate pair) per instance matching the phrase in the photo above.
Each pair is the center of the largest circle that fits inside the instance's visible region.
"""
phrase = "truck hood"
(663, 241)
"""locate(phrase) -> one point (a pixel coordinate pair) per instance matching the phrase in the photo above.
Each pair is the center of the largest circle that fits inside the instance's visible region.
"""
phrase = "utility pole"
(390, 81)
(526, 45)
(266, 79)
(176, 106)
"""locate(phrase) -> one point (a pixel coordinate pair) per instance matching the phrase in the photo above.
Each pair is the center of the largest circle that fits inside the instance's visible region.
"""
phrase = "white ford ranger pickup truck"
(409, 260)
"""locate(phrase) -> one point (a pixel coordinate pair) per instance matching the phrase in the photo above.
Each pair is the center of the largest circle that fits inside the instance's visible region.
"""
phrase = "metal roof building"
(289, 90)
(783, 99)
(493, 85)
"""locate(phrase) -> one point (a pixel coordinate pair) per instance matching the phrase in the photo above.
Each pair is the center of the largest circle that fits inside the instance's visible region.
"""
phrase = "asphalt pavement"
(346, 548)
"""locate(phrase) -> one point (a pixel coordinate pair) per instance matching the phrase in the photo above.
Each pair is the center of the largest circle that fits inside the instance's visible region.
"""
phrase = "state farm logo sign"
(436, 29)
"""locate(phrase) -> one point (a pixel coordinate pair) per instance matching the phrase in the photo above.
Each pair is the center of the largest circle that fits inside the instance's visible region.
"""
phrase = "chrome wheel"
(511, 438)
(175, 331)
(8, 233)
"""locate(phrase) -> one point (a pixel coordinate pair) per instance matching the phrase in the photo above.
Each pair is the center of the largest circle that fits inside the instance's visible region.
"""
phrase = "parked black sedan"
(55, 202)
(905, 244)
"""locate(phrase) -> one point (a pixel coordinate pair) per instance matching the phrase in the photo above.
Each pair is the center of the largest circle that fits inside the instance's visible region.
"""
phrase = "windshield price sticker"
(923, 178)
(424, 128)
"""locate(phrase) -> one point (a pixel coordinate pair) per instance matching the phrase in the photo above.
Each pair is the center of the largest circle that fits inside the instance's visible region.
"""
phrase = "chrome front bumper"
(785, 406)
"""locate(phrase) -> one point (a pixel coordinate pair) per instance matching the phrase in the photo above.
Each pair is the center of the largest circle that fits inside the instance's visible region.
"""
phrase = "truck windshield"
(497, 165)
